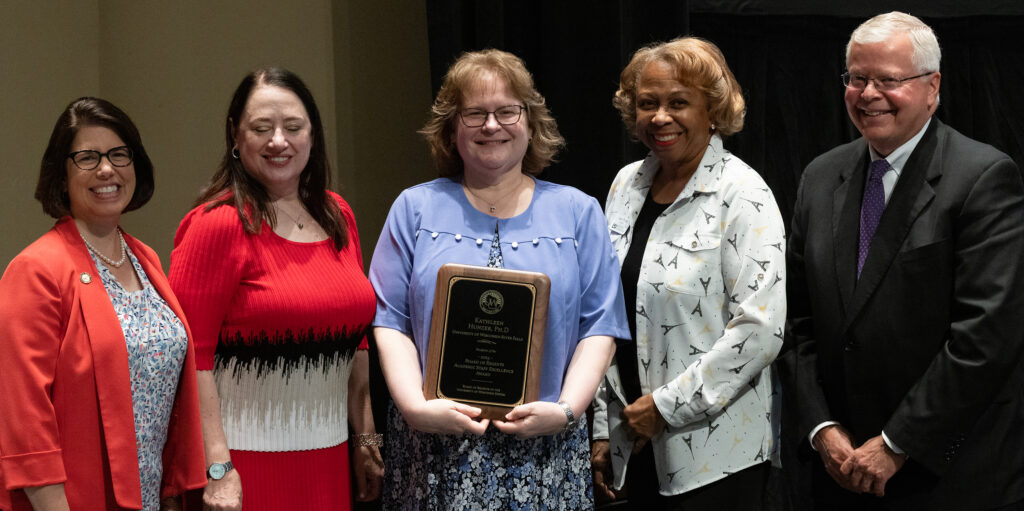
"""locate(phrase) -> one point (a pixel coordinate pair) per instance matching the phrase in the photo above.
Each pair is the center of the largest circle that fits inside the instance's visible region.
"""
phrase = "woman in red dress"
(268, 269)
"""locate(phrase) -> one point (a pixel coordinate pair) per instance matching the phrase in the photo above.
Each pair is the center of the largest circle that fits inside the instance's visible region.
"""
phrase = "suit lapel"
(846, 225)
(910, 197)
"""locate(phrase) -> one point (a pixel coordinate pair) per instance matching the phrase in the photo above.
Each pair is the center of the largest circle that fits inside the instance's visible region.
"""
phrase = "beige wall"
(48, 56)
(172, 67)
(382, 73)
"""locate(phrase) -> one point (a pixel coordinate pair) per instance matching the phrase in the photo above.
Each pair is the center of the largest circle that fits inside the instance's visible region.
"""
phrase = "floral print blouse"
(156, 342)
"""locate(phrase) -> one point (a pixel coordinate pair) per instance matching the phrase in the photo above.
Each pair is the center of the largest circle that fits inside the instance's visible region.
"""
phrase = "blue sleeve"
(391, 266)
(602, 305)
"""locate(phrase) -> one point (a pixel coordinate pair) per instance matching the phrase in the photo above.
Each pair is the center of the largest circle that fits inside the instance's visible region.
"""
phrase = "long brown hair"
(232, 185)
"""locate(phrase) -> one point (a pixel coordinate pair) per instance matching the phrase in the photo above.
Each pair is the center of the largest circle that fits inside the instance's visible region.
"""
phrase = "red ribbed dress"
(278, 322)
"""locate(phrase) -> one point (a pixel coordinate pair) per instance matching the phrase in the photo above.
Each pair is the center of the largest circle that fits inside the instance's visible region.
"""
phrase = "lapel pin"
(85, 278)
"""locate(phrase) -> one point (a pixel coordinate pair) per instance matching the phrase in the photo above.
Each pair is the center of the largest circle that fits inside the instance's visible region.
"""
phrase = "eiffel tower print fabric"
(709, 311)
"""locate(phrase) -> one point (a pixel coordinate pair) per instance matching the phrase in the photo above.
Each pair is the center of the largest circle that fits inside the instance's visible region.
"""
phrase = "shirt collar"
(706, 179)
(898, 158)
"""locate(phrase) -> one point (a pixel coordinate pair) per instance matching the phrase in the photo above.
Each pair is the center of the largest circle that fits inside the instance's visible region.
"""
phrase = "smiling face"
(493, 148)
(671, 118)
(274, 137)
(100, 195)
(889, 119)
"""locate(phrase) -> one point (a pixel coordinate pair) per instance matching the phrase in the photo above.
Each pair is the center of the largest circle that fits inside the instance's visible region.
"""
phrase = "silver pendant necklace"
(493, 206)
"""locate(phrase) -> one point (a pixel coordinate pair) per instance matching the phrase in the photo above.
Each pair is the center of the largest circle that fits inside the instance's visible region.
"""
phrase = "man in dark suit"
(906, 298)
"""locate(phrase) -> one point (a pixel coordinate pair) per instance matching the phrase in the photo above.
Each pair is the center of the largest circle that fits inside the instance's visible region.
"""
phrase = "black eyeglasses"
(89, 159)
(885, 83)
(506, 115)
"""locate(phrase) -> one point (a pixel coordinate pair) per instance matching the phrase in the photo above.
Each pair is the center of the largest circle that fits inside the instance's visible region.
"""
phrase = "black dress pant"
(742, 491)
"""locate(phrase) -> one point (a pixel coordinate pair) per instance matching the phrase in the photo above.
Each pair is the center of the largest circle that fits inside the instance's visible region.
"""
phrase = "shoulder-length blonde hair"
(697, 63)
(470, 67)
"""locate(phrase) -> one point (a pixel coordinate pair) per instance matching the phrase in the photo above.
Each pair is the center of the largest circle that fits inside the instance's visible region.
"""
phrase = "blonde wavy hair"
(461, 77)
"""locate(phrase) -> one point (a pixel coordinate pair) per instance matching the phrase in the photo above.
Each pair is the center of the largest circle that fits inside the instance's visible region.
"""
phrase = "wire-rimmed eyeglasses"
(885, 83)
(89, 159)
(506, 115)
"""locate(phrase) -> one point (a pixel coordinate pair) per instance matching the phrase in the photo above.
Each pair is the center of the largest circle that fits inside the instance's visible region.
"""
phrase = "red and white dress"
(278, 322)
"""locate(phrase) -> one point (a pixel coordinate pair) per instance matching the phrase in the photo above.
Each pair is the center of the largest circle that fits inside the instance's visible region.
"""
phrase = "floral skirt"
(493, 471)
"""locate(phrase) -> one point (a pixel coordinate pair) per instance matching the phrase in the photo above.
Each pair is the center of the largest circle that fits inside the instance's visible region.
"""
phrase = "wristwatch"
(218, 470)
(571, 419)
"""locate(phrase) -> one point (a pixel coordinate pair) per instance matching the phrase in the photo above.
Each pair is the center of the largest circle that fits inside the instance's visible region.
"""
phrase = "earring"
(234, 152)
(713, 127)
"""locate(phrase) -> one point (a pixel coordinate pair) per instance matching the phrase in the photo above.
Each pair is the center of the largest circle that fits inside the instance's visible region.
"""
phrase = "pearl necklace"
(111, 262)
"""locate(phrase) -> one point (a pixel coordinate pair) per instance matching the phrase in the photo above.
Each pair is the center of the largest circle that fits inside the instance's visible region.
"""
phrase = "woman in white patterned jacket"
(686, 407)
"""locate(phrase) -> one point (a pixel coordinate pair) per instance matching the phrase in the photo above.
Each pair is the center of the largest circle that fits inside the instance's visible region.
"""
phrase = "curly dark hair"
(697, 63)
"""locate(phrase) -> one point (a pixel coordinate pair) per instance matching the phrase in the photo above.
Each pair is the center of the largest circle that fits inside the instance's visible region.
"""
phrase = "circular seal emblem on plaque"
(491, 301)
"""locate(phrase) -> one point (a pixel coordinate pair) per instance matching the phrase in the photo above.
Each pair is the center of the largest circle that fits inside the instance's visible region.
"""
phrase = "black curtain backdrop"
(575, 51)
(788, 65)
(786, 54)
(789, 69)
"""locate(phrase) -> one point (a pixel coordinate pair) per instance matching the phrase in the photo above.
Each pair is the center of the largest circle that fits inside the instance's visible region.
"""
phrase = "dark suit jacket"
(927, 344)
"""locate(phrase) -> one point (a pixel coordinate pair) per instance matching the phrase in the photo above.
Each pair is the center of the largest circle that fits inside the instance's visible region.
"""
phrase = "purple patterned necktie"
(871, 208)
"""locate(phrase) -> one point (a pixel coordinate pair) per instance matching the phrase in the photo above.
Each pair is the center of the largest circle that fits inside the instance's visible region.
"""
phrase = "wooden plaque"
(487, 337)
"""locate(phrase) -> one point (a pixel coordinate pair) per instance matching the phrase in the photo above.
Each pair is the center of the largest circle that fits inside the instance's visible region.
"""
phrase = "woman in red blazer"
(99, 407)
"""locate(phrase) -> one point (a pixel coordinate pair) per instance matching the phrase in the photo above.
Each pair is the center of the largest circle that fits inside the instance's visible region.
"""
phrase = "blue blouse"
(562, 234)
(156, 342)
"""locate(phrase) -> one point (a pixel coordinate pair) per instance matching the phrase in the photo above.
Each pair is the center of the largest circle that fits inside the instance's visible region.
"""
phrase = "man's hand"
(834, 446)
(643, 420)
(871, 465)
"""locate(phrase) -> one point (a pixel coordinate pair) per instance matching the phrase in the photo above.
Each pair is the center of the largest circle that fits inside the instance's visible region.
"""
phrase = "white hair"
(927, 54)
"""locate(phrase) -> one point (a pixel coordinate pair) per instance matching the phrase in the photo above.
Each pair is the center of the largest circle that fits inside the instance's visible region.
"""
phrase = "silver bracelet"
(569, 416)
(369, 439)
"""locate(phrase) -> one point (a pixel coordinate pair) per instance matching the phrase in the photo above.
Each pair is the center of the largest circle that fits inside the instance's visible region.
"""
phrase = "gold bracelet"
(369, 439)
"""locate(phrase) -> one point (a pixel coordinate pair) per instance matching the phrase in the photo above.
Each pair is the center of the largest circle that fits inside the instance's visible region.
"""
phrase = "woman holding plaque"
(490, 132)
(268, 268)
(702, 248)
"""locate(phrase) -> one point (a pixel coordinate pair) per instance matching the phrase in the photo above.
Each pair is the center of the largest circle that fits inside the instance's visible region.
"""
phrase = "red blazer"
(65, 394)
